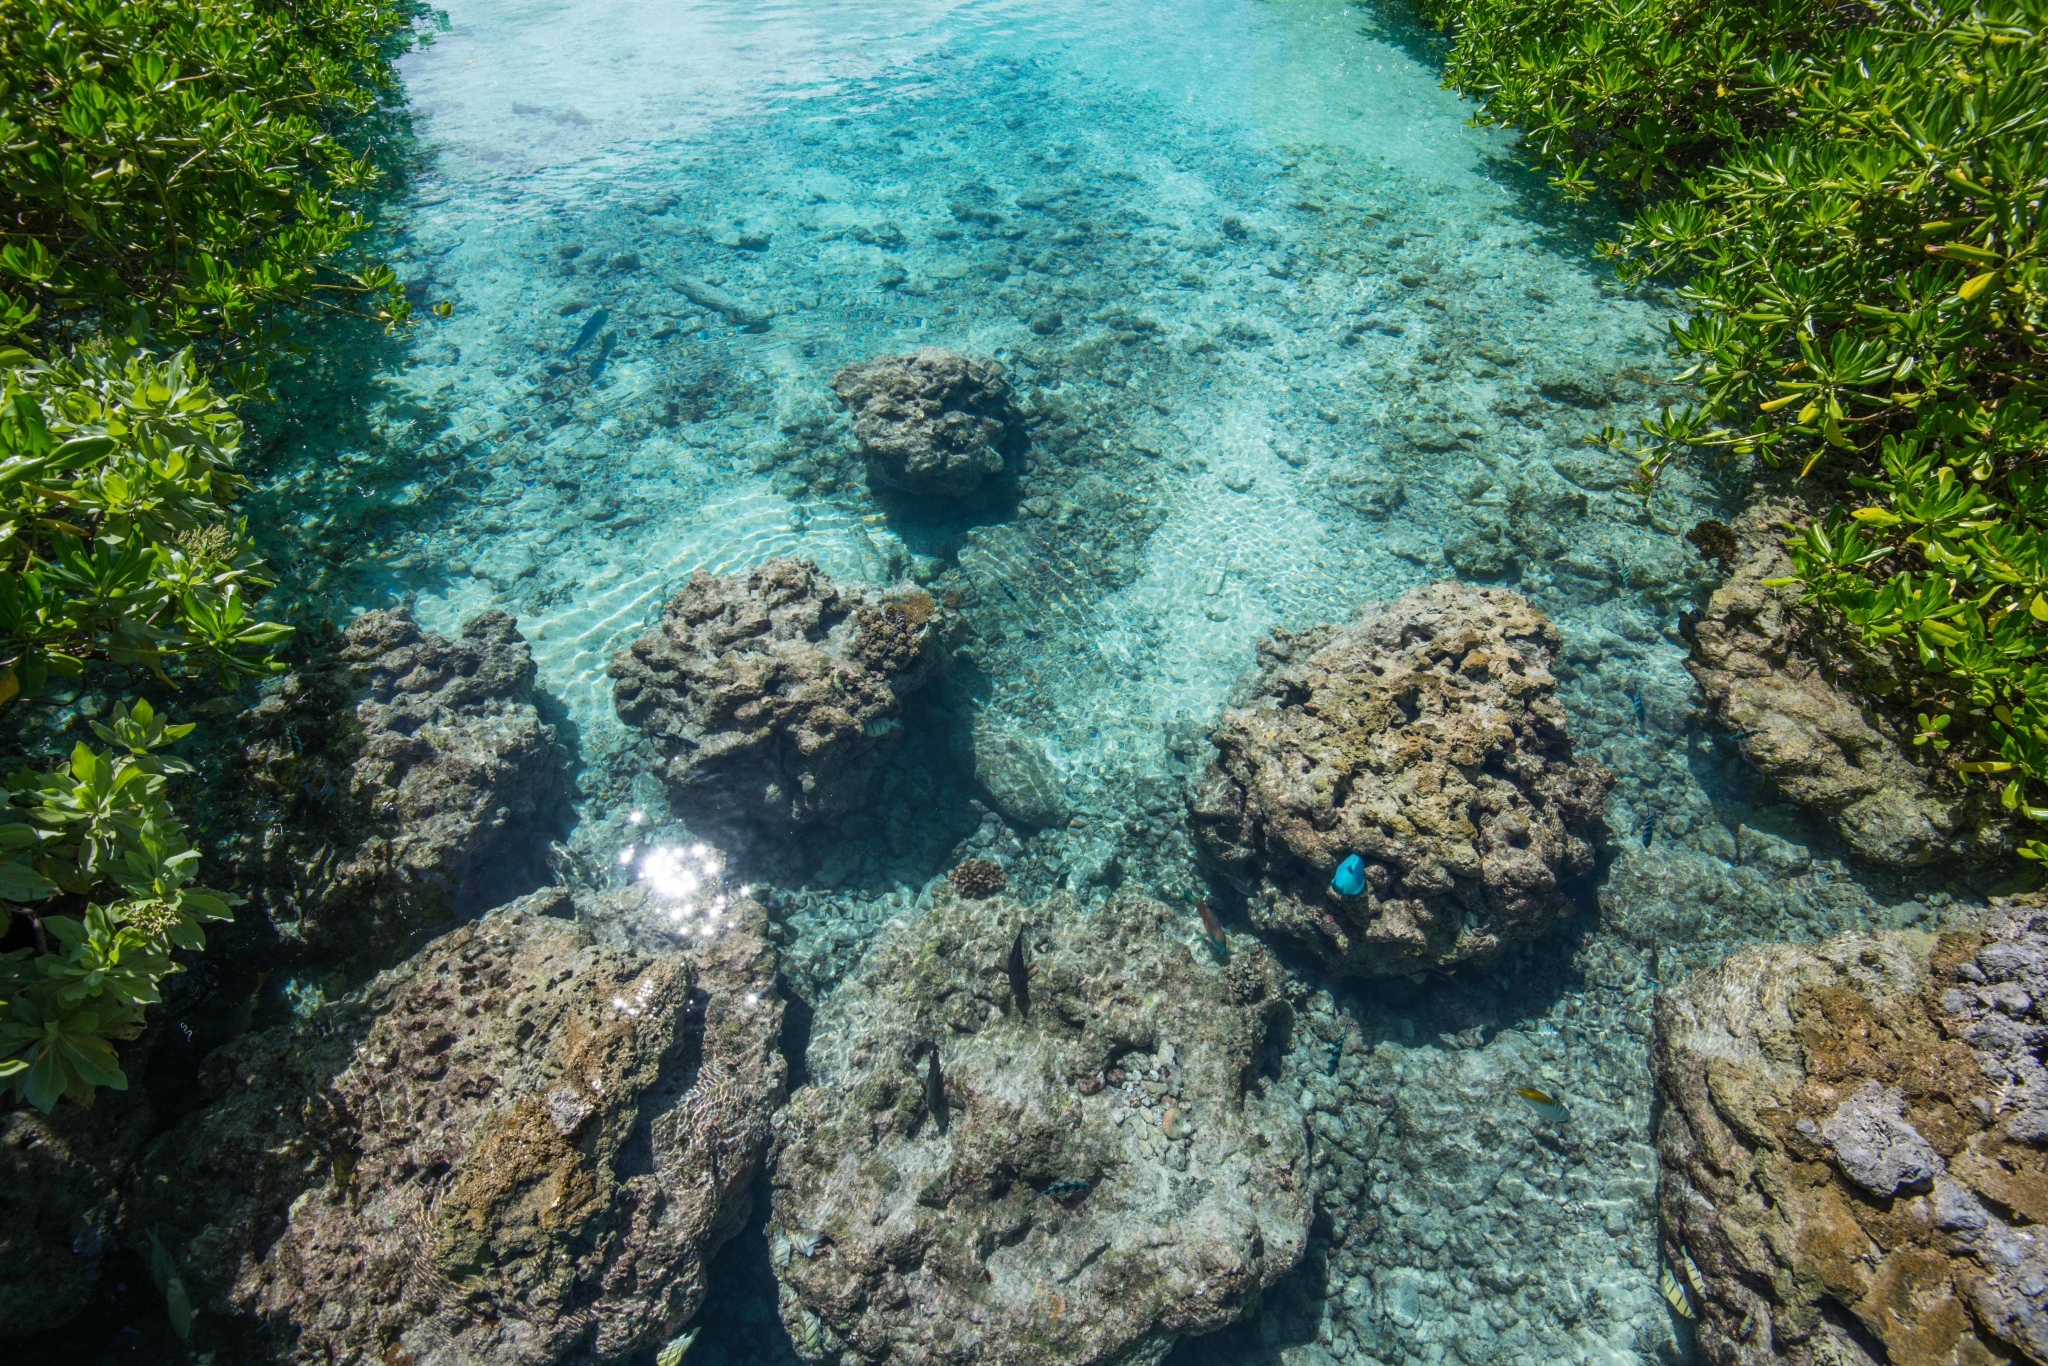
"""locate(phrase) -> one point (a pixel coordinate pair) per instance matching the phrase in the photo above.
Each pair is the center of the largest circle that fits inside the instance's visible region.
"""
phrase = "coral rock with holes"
(1424, 739)
(1803, 711)
(405, 779)
(934, 422)
(522, 1145)
(1096, 1164)
(1854, 1146)
(979, 878)
(769, 697)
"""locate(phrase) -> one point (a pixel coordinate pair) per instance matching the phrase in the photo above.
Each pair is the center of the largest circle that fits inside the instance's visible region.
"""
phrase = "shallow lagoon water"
(1294, 336)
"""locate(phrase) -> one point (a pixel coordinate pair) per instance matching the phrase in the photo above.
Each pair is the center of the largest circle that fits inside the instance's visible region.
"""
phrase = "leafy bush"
(171, 171)
(98, 834)
(115, 475)
(1865, 258)
(185, 157)
(1634, 94)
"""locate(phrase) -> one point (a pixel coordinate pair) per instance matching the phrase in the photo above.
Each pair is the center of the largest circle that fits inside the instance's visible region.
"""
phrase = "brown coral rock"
(1852, 1146)
(404, 780)
(1810, 729)
(933, 422)
(920, 1235)
(770, 696)
(520, 1146)
(978, 878)
(1422, 736)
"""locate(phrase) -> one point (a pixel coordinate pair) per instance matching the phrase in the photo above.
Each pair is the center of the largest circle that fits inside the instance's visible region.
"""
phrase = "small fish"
(590, 329)
(1060, 1190)
(1543, 1103)
(1214, 931)
(677, 1349)
(604, 353)
(1675, 1294)
(176, 1300)
(935, 1090)
(1020, 975)
(1349, 879)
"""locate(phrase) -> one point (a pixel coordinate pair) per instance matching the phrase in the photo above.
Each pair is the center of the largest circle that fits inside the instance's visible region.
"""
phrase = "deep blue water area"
(1294, 337)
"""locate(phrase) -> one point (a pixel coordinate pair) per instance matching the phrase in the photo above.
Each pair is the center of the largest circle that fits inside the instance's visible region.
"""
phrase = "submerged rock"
(770, 696)
(1822, 737)
(1095, 1164)
(520, 1146)
(1852, 1145)
(933, 422)
(1424, 738)
(1015, 775)
(404, 780)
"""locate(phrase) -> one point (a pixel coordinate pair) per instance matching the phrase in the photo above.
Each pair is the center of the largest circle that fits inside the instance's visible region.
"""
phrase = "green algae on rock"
(523, 1143)
(1142, 1069)
(1423, 736)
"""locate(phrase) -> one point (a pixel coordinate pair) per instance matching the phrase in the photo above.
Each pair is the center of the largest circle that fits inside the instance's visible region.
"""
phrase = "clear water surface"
(1301, 338)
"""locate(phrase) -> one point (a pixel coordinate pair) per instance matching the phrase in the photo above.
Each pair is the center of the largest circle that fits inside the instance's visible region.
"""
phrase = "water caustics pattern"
(1294, 337)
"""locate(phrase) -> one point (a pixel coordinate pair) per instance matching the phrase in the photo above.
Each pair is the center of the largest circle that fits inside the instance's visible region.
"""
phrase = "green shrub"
(116, 471)
(186, 158)
(1635, 93)
(99, 835)
(1862, 253)
(173, 172)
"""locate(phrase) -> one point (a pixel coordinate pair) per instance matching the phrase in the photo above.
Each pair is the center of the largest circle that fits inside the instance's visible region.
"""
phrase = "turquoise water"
(1296, 337)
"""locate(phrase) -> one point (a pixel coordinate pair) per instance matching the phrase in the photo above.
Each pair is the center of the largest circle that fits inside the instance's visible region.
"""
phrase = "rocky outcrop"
(1422, 737)
(405, 780)
(1807, 715)
(770, 696)
(1076, 1163)
(934, 422)
(1854, 1146)
(521, 1145)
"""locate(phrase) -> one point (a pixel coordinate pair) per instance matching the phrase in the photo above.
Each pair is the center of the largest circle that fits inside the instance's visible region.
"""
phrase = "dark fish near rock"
(590, 329)
(935, 1090)
(604, 353)
(1059, 1190)
(1020, 976)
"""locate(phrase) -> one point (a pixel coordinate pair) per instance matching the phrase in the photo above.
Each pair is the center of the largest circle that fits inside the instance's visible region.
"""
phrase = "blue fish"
(590, 327)
(1349, 879)
(1059, 1190)
(604, 353)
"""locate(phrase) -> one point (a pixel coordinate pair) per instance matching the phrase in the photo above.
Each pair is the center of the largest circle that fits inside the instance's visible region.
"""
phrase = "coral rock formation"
(519, 1146)
(404, 780)
(1819, 738)
(1422, 737)
(1093, 1168)
(933, 422)
(1853, 1146)
(978, 878)
(770, 696)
